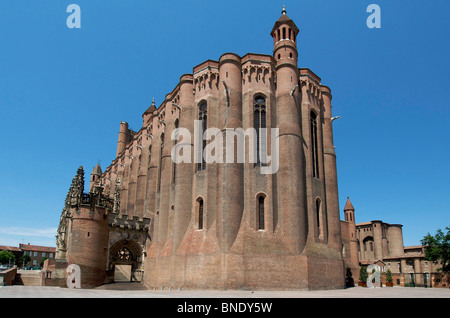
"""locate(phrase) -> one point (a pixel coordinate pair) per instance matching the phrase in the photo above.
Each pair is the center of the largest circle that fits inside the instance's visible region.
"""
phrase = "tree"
(363, 275)
(42, 261)
(25, 259)
(389, 276)
(437, 248)
(6, 257)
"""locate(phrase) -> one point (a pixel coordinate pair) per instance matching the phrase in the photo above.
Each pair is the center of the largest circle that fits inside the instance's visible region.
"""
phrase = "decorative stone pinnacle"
(284, 10)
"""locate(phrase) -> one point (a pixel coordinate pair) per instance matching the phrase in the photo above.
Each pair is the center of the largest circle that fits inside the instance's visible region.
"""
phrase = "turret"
(95, 177)
(229, 212)
(124, 137)
(349, 211)
(290, 182)
(284, 34)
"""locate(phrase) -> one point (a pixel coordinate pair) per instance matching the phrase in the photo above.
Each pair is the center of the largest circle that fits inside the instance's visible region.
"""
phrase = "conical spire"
(349, 205)
(284, 19)
(97, 170)
(152, 107)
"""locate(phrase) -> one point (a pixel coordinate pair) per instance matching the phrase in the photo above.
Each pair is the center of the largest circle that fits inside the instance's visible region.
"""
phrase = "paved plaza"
(123, 291)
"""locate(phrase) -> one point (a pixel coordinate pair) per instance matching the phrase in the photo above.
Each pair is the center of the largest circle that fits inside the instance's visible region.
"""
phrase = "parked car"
(28, 268)
(37, 268)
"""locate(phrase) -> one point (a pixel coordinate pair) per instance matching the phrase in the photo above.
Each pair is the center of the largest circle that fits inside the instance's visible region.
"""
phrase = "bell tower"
(284, 34)
(290, 182)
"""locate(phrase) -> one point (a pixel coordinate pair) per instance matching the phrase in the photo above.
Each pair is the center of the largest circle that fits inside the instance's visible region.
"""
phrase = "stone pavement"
(122, 292)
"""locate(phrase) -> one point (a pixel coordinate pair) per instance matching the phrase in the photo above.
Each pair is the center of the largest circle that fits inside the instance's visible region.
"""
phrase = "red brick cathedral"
(218, 225)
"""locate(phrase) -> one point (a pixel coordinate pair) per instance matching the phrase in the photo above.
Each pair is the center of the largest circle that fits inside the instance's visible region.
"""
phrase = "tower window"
(259, 118)
(175, 143)
(318, 213)
(202, 116)
(261, 212)
(284, 33)
(314, 150)
(160, 161)
(200, 214)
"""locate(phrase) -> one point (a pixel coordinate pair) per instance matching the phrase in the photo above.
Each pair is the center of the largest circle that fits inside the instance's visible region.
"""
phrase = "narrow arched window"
(314, 147)
(203, 117)
(200, 214)
(284, 33)
(318, 214)
(261, 213)
(176, 152)
(149, 155)
(259, 121)
(160, 161)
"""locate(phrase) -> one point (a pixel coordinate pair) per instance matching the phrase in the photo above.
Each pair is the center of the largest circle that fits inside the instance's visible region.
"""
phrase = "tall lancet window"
(314, 149)
(200, 206)
(174, 170)
(261, 212)
(202, 116)
(160, 161)
(259, 119)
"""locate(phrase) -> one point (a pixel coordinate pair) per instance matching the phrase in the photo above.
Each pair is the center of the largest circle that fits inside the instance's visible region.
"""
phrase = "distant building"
(37, 253)
(380, 243)
(13, 249)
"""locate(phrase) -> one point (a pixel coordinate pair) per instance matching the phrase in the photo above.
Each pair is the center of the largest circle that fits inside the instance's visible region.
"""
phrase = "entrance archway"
(125, 259)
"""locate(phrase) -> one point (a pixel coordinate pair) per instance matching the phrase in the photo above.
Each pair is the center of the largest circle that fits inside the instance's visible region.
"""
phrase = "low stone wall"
(8, 276)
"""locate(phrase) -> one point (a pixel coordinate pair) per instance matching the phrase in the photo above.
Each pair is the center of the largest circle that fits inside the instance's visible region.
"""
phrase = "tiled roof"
(37, 248)
(9, 248)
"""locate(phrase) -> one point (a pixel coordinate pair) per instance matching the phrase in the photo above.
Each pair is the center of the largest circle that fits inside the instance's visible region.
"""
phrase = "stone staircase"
(28, 278)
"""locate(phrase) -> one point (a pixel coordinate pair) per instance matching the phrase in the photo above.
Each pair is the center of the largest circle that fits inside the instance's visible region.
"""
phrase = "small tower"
(124, 137)
(284, 34)
(95, 177)
(292, 204)
(349, 211)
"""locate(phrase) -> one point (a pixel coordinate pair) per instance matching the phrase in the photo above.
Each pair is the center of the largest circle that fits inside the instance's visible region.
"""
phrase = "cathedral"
(202, 224)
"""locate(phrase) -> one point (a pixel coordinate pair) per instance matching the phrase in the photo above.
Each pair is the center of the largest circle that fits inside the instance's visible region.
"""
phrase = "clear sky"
(63, 93)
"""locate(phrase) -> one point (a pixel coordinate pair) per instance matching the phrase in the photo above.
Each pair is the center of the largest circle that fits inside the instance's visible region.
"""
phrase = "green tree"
(363, 275)
(25, 259)
(6, 257)
(42, 261)
(437, 248)
(389, 276)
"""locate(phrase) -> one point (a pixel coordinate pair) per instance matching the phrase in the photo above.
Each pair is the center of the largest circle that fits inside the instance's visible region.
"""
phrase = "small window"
(174, 170)
(261, 213)
(314, 145)
(200, 211)
(259, 121)
(202, 115)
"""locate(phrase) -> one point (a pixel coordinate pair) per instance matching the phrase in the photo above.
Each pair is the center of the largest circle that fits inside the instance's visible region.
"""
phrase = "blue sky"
(63, 93)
